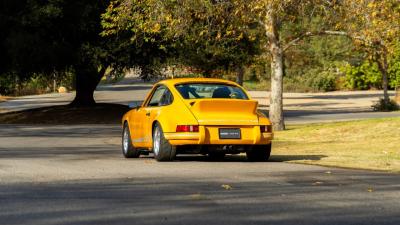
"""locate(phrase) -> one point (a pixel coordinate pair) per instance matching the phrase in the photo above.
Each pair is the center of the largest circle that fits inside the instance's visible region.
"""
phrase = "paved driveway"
(76, 175)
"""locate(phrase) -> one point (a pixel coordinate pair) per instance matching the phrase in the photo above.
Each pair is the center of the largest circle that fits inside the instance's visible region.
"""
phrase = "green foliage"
(394, 68)
(43, 37)
(7, 84)
(36, 84)
(324, 81)
(381, 105)
(296, 84)
(363, 77)
(205, 35)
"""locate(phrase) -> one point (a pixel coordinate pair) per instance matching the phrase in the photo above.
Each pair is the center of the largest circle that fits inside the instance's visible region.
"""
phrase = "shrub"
(382, 106)
(394, 73)
(323, 81)
(363, 77)
(7, 84)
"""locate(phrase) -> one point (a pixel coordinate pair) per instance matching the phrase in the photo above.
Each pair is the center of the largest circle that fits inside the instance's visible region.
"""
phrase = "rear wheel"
(128, 149)
(163, 150)
(259, 153)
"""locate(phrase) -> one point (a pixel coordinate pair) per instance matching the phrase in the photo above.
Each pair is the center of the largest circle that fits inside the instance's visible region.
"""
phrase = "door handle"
(148, 114)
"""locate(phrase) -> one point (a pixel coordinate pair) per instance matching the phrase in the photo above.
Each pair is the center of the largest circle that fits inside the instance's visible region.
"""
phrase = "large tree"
(206, 35)
(374, 26)
(55, 35)
(214, 33)
(273, 15)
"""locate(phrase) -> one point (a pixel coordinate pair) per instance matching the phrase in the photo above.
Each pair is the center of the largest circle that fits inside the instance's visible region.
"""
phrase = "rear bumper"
(208, 135)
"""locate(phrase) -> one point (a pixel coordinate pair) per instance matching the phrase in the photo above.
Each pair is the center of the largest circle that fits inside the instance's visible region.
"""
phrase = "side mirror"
(135, 104)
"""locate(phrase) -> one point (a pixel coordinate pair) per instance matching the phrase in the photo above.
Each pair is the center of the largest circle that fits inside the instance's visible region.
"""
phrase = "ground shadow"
(101, 113)
(281, 197)
(288, 158)
(243, 158)
(339, 96)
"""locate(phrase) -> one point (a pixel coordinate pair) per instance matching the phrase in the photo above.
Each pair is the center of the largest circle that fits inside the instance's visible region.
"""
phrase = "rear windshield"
(210, 90)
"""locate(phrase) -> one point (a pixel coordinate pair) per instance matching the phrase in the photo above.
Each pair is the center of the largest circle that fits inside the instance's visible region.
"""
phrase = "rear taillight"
(266, 129)
(187, 128)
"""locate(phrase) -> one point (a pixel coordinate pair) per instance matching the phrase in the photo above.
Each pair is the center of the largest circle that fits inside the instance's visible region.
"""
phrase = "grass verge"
(367, 144)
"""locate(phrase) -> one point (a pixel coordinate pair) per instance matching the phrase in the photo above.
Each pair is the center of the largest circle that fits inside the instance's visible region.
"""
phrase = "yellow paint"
(209, 114)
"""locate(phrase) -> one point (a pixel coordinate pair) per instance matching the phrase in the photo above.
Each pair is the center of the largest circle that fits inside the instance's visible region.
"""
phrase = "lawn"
(368, 144)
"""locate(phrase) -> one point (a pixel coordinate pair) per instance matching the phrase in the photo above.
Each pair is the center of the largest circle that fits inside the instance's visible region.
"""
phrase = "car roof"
(196, 80)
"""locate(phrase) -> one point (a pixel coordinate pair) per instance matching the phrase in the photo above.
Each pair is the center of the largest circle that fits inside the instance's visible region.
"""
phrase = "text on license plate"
(229, 133)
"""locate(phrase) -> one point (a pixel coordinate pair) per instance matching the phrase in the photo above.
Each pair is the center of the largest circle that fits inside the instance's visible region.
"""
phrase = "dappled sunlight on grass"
(367, 144)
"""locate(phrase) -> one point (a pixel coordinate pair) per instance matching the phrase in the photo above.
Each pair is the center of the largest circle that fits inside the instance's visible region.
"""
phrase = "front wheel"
(163, 150)
(128, 149)
(259, 153)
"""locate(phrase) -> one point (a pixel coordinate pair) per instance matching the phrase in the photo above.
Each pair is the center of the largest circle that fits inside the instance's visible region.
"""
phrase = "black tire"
(128, 150)
(216, 156)
(165, 151)
(259, 153)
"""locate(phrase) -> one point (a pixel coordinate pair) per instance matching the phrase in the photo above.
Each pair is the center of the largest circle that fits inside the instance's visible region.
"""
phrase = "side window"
(167, 98)
(157, 95)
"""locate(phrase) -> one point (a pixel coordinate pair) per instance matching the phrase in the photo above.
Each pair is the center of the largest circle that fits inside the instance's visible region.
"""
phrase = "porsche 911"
(206, 116)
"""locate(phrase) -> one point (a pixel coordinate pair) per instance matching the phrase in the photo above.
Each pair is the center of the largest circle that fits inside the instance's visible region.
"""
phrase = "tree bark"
(383, 67)
(276, 51)
(87, 79)
(240, 75)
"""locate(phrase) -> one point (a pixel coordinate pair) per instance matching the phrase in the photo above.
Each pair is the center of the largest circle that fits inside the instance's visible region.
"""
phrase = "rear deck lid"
(224, 111)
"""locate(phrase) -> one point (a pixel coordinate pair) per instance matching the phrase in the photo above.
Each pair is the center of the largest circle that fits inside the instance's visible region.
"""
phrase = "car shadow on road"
(242, 158)
(288, 158)
(205, 158)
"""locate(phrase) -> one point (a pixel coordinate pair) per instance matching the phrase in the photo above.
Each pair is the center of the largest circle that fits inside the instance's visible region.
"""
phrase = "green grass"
(368, 144)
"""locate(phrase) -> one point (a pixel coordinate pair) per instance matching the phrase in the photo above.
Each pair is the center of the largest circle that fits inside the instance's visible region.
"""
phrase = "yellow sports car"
(196, 116)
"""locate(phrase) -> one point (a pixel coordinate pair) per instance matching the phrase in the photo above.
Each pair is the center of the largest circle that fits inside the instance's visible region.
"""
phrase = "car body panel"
(209, 114)
(225, 112)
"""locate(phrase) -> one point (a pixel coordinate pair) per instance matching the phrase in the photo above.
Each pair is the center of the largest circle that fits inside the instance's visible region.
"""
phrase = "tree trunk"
(240, 75)
(87, 79)
(275, 48)
(383, 67)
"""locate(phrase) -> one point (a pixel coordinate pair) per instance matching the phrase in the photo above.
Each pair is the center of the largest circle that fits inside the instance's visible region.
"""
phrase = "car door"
(148, 114)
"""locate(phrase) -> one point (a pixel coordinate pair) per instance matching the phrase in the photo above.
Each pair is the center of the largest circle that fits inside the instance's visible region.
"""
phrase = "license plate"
(229, 133)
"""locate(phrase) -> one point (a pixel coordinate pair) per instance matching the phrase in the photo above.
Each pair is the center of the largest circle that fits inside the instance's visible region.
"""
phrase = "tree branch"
(310, 34)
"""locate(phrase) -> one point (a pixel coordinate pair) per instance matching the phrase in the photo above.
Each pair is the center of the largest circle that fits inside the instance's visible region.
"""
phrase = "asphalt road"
(76, 175)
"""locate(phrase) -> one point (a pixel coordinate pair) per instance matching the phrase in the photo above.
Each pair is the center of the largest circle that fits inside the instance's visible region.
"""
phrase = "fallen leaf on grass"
(226, 186)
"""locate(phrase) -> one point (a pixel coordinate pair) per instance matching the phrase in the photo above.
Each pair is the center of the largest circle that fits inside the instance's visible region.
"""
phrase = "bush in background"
(11, 85)
(323, 81)
(382, 106)
(363, 77)
(7, 84)
(394, 69)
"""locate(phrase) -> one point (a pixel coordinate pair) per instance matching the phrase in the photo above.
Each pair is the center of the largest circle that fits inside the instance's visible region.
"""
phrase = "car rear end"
(226, 122)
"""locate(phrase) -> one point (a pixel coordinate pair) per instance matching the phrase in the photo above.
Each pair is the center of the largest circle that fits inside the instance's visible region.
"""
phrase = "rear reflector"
(266, 129)
(187, 128)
